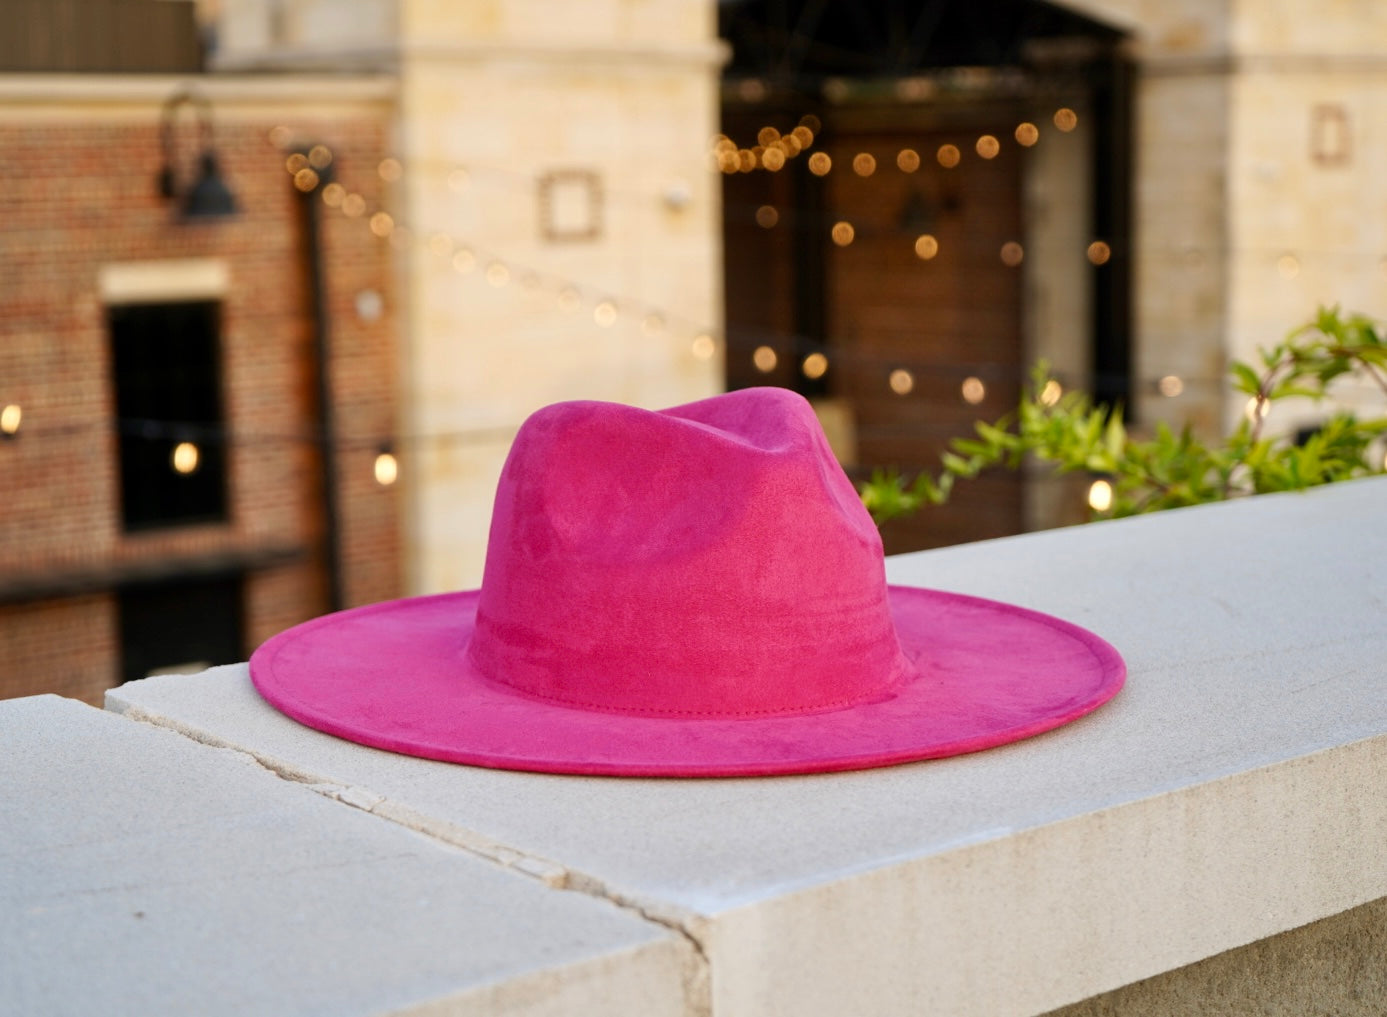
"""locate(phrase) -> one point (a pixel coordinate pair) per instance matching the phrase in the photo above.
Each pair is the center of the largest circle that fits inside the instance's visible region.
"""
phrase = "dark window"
(183, 625)
(167, 367)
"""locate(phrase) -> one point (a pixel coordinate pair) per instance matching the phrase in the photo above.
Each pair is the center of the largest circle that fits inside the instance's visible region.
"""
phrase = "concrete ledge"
(1233, 791)
(141, 873)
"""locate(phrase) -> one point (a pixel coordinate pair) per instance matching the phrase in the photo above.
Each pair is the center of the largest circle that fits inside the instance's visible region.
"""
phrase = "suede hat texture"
(690, 592)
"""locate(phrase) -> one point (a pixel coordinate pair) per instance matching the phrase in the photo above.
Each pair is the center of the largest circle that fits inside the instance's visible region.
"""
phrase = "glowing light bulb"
(604, 313)
(814, 366)
(1012, 254)
(382, 224)
(948, 156)
(387, 469)
(1170, 386)
(10, 418)
(1027, 134)
(320, 157)
(908, 160)
(333, 195)
(1100, 495)
(1066, 119)
(703, 347)
(767, 217)
(864, 164)
(390, 170)
(185, 458)
(1099, 252)
(926, 247)
(843, 233)
(820, 164)
(973, 390)
(1050, 394)
(901, 381)
(353, 205)
(765, 359)
(306, 179)
(988, 146)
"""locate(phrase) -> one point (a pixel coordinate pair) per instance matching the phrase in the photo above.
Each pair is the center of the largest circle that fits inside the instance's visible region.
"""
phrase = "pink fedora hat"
(692, 592)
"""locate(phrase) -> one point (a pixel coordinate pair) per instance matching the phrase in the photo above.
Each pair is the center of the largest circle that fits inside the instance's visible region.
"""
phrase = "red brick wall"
(77, 195)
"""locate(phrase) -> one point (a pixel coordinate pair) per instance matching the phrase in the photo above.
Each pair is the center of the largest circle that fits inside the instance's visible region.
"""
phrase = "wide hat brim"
(396, 676)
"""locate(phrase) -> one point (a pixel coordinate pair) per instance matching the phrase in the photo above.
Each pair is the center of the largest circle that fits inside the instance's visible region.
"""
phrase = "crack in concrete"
(686, 925)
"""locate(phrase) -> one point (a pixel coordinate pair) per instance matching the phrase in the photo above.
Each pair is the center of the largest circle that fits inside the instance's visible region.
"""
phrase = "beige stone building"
(1259, 158)
(562, 219)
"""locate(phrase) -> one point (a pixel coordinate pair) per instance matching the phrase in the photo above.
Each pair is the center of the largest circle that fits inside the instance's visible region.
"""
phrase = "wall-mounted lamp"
(208, 197)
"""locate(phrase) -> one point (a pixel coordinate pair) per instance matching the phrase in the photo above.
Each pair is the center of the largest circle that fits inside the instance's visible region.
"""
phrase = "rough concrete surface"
(142, 873)
(1231, 792)
(1336, 967)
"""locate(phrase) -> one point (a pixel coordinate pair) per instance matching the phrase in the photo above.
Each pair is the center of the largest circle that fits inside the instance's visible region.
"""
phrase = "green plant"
(1069, 432)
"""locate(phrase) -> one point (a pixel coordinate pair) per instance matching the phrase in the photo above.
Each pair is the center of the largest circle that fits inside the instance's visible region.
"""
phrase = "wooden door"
(945, 309)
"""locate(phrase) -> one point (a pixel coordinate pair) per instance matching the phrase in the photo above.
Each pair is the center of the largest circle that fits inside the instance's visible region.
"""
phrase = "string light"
(1012, 254)
(948, 156)
(988, 146)
(1099, 252)
(382, 224)
(1027, 134)
(864, 164)
(1170, 386)
(973, 390)
(386, 468)
(295, 162)
(1066, 119)
(764, 359)
(320, 157)
(767, 217)
(390, 170)
(703, 346)
(1100, 495)
(926, 246)
(820, 164)
(604, 313)
(773, 159)
(908, 160)
(1050, 393)
(185, 458)
(901, 381)
(843, 233)
(10, 418)
(814, 366)
(353, 205)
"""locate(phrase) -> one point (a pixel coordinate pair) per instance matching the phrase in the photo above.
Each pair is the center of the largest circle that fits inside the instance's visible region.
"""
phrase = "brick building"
(166, 452)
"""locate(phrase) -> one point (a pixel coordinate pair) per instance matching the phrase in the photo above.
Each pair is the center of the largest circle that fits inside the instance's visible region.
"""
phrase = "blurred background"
(279, 279)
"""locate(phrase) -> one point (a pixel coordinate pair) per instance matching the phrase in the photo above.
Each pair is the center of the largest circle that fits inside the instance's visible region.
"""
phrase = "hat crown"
(708, 560)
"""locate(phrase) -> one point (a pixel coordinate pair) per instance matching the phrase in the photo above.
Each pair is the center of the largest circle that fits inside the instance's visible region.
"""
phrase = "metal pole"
(311, 202)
